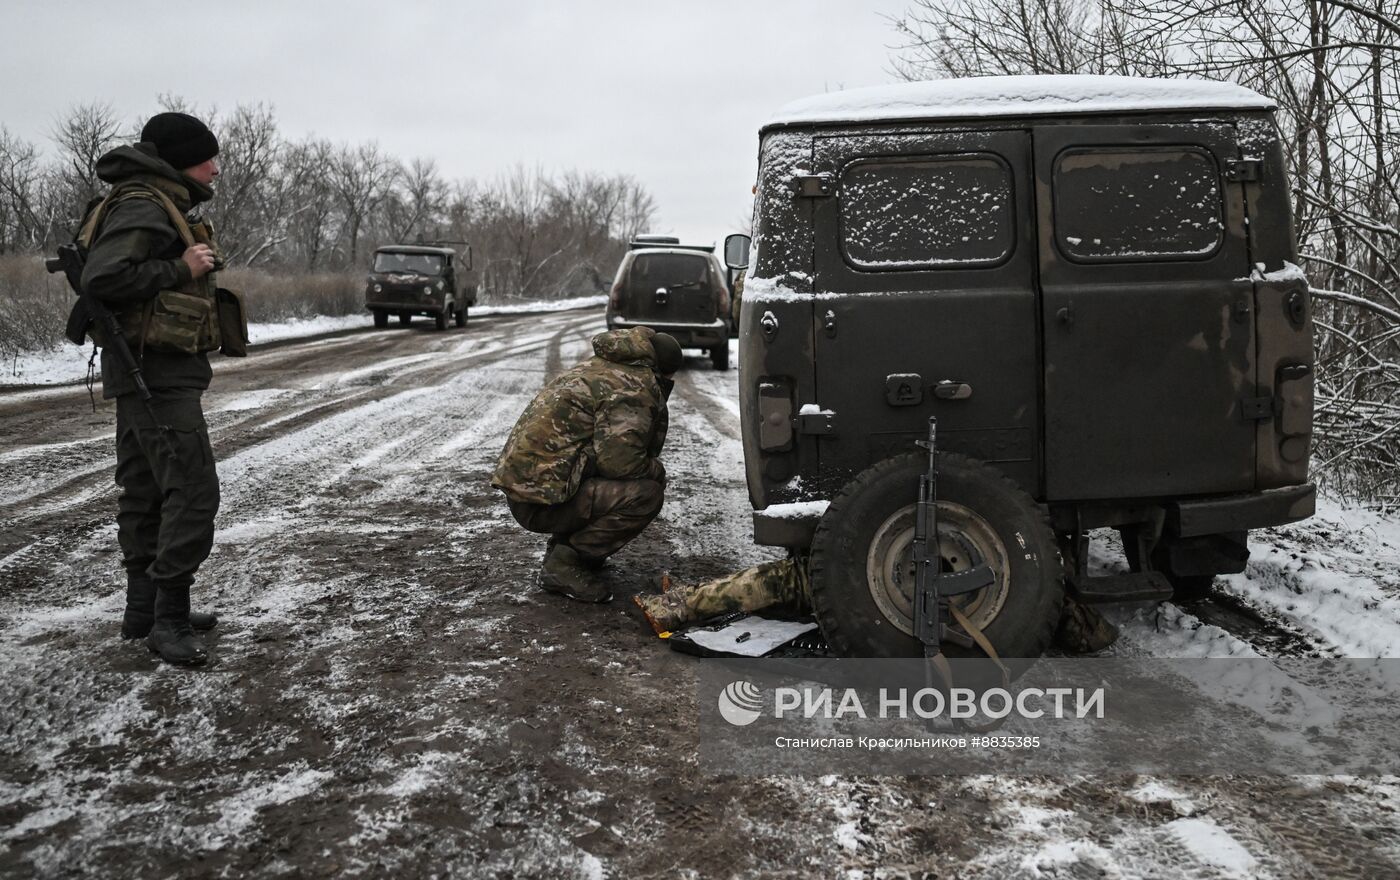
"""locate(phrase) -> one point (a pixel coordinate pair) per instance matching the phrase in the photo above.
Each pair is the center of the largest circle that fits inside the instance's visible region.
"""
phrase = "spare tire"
(862, 578)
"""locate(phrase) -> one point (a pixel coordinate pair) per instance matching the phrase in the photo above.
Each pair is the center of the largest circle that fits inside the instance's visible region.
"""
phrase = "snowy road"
(391, 695)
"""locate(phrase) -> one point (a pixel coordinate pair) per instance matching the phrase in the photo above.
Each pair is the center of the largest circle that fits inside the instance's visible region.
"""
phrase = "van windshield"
(418, 264)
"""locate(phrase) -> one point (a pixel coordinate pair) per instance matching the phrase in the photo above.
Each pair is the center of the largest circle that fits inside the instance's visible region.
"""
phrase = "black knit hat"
(180, 139)
(668, 353)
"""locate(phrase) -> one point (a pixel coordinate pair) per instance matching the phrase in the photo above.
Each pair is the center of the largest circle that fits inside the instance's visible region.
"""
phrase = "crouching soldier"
(582, 463)
(783, 586)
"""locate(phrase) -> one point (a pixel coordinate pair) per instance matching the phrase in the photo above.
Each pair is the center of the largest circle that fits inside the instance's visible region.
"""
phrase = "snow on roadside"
(1335, 577)
(549, 305)
(68, 364)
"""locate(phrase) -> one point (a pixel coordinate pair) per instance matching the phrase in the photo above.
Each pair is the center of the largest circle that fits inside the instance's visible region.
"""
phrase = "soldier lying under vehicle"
(784, 587)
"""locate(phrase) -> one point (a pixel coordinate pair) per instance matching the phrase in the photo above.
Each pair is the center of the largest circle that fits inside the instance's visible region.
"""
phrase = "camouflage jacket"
(605, 417)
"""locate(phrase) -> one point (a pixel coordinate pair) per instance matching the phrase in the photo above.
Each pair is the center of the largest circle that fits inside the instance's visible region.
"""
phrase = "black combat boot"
(171, 637)
(566, 573)
(141, 610)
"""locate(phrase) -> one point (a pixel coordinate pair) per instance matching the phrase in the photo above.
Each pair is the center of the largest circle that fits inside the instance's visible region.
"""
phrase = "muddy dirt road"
(391, 694)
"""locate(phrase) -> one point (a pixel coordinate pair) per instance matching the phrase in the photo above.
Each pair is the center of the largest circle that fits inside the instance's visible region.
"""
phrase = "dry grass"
(34, 305)
(271, 296)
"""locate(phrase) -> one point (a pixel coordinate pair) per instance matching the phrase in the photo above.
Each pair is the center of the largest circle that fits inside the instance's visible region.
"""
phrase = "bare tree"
(249, 151)
(82, 136)
(361, 177)
(21, 226)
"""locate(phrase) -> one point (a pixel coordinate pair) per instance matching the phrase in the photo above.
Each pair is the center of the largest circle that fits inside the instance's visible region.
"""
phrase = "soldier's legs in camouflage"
(552, 519)
(179, 467)
(618, 511)
(600, 519)
(780, 585)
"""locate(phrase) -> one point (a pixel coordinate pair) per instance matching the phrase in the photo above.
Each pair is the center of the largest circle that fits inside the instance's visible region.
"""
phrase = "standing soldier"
(582, 465)
(152, 266)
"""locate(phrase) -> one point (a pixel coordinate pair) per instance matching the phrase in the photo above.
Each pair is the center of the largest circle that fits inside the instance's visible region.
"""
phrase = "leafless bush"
(34, 306)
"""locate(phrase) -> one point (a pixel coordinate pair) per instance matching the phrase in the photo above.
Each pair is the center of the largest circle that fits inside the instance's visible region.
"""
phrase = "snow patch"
(796, 510)
(1152, 791)
(240, 810)
(1213, 845)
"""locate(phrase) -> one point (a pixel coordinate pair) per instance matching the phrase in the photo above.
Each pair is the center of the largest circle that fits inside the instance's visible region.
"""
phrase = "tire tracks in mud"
(1255, 627)
(38, 528)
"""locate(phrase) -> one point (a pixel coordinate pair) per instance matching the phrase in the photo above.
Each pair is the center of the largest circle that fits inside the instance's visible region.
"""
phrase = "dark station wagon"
(678, 289)
(1089, 281)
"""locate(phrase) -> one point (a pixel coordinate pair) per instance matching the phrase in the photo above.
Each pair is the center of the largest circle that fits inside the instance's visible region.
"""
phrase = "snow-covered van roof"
(1018, 96)
(414, 249)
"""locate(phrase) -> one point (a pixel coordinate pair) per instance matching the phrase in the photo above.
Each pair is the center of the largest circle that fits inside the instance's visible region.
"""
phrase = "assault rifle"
(933, 587)
(90, 311)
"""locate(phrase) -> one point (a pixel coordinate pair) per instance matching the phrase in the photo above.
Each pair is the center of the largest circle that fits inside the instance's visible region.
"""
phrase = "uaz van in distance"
(1089, 281)
(415, 279)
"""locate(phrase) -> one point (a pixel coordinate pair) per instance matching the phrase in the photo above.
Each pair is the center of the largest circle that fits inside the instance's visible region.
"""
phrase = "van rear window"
(928, 213)
(650, 271)
(1137, 204)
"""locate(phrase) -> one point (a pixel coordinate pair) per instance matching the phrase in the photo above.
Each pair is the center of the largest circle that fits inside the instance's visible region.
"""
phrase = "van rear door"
(670, 287)
(1148, 311)
(925, 299)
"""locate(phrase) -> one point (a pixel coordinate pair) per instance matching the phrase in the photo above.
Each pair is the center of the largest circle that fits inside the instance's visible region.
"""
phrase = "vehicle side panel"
(778, 360)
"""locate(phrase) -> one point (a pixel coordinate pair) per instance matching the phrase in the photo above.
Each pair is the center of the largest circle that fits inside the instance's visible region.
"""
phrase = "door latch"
(829, 323)
(1066, 316)
(821, 422)
(1244, 170)
(813, 186)
(769, 323)
(1257, 409)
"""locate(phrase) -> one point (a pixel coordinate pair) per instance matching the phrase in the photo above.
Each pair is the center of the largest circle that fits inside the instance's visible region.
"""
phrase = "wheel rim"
(965, 540)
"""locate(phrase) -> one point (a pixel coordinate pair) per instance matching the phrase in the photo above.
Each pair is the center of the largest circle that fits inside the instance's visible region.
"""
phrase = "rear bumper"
(424, 308)
(1239, 513)
(705, 335)
(793, 525)
(788, 525)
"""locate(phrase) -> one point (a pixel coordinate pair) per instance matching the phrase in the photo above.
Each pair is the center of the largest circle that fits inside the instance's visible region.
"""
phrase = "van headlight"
(427, 290)
(378, 288)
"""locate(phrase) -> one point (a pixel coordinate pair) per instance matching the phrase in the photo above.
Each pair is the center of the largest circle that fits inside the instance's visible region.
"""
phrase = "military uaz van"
(415, 279)
(1089, 281)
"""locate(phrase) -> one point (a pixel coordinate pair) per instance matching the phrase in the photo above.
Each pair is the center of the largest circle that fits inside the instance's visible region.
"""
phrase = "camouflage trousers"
(170, 489)
(785, 586)
(601, 517)
(781, 585)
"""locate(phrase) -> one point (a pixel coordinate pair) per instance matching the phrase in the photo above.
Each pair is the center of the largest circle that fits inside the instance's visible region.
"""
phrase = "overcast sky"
(672, 93)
